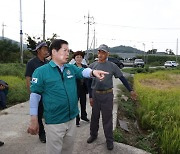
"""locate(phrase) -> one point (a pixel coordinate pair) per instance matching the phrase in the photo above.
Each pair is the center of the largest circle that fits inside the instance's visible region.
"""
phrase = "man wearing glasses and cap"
(41, 53)
(101, 98)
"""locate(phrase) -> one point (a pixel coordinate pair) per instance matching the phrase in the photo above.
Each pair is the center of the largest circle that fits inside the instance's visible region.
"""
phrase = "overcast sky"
(156, 23)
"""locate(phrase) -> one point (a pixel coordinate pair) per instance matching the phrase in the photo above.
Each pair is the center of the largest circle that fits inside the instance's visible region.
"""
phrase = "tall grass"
(160, 106)
(14, 69)
(17, 90)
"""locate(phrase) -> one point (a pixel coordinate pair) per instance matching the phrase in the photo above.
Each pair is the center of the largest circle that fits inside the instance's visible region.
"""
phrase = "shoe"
(85, 119)
(77, 123)
(1, 143)
(4, 107)
(110, 146)
(91, 139)
(42, 138)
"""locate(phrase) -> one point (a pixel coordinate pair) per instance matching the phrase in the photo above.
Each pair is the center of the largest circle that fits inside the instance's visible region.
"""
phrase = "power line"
(138, 27)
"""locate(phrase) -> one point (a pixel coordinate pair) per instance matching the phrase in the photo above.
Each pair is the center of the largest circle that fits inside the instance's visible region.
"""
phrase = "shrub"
(118, 137)
(13, 69)
(17, 90)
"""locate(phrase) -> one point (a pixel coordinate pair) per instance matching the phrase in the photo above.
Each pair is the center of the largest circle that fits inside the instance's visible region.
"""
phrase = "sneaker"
(1, 143)
(110, 146)
(85, 119)
(91, 139)
(42, 138)
(77, 123)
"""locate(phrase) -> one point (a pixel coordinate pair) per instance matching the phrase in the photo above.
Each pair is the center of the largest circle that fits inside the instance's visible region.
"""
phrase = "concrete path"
(14, 122)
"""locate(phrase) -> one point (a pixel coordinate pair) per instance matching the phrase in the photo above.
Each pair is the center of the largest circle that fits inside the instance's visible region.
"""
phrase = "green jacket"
(59, 96)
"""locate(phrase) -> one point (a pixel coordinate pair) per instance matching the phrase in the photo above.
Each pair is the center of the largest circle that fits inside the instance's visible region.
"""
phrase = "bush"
(13, 69)
(17, 90)
(9, 51)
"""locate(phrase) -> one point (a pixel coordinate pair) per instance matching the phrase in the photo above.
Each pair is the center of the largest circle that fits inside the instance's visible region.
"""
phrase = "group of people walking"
(55, 88)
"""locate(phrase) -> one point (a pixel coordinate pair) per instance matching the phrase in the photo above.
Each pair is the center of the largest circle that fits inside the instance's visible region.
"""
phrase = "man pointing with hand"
(56, 83)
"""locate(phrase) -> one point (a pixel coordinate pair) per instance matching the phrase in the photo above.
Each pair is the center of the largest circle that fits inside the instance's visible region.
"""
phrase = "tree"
(32, 41)
(153, 51)
(170, 52)
(9, 51)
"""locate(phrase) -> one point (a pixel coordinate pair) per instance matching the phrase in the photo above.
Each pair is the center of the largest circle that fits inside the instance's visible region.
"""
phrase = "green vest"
(59, 94)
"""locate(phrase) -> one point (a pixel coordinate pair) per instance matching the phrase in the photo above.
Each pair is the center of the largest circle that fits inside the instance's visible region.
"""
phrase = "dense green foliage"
(17, 90)
(13, 69)
(13, 74)
(9, 51)
(147, 69)
(159, 97)
(158, 60)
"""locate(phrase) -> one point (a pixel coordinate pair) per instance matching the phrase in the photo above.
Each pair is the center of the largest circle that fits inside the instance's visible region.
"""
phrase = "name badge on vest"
(68, 72)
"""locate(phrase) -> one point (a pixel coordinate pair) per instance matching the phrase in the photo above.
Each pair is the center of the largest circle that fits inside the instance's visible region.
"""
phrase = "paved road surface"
(14, 122)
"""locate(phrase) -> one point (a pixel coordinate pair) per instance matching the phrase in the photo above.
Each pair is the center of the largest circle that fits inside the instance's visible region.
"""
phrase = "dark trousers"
(103, 103)
(2, 99)
(82, 98)
(40, 116)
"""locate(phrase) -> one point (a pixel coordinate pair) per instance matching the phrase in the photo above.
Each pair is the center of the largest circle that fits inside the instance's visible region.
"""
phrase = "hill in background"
(13, 41)
(122, 51)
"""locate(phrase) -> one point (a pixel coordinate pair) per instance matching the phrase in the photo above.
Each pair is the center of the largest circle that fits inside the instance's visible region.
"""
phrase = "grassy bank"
(13, 69)
(17, 90)
(13, 74)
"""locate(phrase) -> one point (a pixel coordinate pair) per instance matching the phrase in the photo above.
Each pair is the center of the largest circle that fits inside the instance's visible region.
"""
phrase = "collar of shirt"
(53, 64)
(37, 58)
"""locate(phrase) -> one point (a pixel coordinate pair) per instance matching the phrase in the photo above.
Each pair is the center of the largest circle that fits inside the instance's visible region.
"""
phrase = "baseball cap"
(103, 47)
(39, 45)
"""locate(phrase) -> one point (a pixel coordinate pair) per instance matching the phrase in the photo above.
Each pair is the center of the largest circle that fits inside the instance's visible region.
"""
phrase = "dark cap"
(103, 47)
(78, 53)
(3, 83)
(40, 45)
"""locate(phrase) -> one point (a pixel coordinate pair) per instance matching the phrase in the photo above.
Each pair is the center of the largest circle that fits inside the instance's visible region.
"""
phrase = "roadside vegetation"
(147, 69)
(156, 113)
(13, 74)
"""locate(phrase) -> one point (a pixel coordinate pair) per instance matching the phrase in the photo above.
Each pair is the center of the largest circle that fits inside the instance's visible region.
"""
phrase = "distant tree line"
(9, 51)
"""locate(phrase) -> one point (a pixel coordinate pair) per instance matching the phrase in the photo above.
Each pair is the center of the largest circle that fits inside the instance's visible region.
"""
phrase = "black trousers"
(102, 103)
(82, 98)
(2, 99)
(40, 116)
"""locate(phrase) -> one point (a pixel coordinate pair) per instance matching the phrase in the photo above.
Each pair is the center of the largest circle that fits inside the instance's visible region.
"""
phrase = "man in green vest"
(56, 83)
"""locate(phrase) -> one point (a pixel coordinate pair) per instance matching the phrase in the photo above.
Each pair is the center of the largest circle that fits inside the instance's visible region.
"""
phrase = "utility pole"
(94, 43)
(144, 52)
(44, 22)
(177, 50)
(89, 22)
(21, 34)
(3, 25)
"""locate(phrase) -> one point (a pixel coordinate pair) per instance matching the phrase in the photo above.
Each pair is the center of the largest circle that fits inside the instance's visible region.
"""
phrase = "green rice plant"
(172, 136)
(159, 98)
